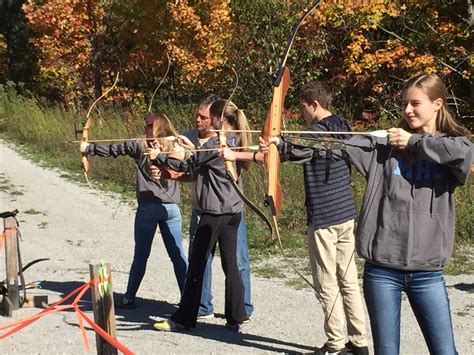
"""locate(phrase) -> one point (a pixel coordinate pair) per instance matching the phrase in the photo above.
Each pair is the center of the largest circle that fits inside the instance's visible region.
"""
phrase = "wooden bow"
(85, 130)
(272, 128)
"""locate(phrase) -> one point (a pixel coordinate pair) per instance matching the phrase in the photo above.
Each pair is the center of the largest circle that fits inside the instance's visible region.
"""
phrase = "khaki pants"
(332, 257)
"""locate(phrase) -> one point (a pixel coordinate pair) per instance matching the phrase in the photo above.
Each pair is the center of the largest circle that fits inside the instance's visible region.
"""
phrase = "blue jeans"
(148, 217)
(429, 301)
(243, 262)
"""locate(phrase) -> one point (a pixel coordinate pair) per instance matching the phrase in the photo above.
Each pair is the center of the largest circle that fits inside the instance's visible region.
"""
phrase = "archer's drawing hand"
(185, 142)
(84, 146)
(398, 137)
(153, 152)
(227, 154)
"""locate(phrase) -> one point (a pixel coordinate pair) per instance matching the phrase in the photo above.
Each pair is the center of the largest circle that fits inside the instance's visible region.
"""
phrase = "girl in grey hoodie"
(406, 223)
(405, 229)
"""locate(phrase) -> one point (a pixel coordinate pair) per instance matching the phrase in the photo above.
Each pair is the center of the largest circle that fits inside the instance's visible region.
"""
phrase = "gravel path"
(73, 226)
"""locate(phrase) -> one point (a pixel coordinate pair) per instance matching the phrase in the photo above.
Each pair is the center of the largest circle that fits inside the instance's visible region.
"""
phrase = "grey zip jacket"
(214, 192)
(407, 217)
(148, 190)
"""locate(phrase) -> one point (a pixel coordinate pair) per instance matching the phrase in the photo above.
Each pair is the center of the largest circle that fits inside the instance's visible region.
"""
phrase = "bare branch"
(423, 51)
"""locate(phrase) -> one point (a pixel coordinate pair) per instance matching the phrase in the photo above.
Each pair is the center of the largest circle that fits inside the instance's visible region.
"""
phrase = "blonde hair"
(433, 87)
(162, 127)
(236, 118)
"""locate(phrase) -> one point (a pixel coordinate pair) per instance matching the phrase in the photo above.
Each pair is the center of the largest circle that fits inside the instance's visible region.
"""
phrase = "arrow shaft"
(307, 132)
(169, 138)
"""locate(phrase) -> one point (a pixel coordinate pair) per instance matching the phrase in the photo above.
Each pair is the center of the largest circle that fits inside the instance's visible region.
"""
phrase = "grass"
(32, 211)
(42, 225)
(268, 271)
(41, 132)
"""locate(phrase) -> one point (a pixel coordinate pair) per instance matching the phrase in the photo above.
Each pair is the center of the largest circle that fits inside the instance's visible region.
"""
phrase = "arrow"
(253, 147)
(168, 138)
(380, 133)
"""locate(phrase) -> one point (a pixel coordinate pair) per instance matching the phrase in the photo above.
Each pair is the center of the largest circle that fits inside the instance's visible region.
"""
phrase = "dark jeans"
(213, 229)
(148, 217)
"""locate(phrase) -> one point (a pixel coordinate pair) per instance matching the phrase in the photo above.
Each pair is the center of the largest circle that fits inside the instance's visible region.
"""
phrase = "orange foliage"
(198, 43)
(64, 29)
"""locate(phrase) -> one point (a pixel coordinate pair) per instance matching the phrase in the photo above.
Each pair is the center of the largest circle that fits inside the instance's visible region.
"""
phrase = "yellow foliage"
(197, 38)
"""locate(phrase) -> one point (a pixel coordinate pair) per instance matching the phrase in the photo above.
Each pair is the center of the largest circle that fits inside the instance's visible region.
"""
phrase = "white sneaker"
(205, 316)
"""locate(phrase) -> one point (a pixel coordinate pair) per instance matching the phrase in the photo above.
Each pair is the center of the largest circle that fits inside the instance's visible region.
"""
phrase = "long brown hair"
(236, 118)
(433, 87)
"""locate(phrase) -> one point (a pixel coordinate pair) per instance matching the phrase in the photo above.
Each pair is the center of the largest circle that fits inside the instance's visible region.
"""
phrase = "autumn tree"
(364, 48)
(373, 46)
(17, 57)
(193, 33)
(69, 35)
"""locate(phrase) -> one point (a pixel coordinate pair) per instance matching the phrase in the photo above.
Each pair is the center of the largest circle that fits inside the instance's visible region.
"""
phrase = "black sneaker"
(125, 303)
(356, 350)
(327, 350)
(235, 327)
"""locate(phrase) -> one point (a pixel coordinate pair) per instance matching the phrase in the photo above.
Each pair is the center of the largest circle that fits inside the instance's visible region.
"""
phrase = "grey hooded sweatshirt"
(407, 216)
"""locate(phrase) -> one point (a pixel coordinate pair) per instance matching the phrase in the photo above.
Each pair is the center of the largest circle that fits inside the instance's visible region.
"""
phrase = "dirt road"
(73, 227)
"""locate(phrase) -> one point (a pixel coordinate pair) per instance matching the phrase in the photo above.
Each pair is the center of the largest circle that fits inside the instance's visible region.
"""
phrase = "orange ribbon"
(3, 236)
(57, 307)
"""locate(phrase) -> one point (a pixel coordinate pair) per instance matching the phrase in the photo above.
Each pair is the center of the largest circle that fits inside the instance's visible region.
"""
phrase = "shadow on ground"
(143, 317)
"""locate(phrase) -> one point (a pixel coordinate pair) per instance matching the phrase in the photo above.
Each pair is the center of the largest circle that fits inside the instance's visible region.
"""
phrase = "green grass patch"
(43, 225)
(268, 271)
(298, 283)
(462, 261)
(32, 211)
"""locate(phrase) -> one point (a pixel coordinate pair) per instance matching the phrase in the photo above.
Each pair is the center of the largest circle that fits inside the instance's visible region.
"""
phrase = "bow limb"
(229, 165)
(87, 125)
(291, 39)
(231, 172)
(161, 82)
(272, 128)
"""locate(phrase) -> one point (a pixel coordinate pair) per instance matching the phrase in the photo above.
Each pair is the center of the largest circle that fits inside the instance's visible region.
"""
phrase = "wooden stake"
(104, 311)
(12, 301)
